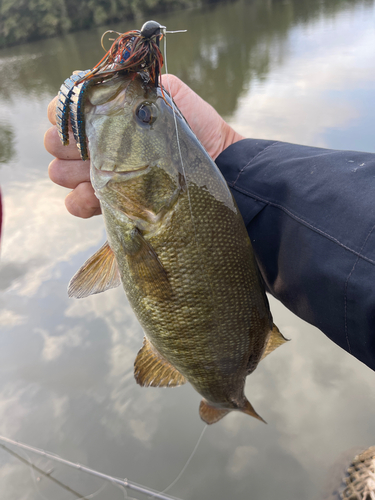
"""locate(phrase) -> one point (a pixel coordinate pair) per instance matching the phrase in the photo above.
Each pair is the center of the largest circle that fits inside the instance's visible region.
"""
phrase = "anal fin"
(210, 414)
(98, 274)
(152, 369)
(275, 340)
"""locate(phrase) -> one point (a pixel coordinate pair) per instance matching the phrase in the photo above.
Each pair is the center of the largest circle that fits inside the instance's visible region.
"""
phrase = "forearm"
(309, 214)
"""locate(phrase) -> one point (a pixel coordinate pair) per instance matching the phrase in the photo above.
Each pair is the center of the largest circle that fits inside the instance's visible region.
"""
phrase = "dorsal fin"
(98, 274)
(152, 369)
(276, 339)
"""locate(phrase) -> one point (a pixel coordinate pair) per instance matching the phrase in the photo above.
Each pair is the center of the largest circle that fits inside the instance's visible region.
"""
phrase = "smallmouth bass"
(178, 244)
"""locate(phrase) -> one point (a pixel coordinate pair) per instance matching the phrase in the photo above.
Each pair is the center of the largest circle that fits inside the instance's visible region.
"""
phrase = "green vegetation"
(26, 20)
(7, 149)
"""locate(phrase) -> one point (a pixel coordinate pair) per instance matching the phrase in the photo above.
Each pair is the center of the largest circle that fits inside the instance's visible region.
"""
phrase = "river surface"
(298, 71)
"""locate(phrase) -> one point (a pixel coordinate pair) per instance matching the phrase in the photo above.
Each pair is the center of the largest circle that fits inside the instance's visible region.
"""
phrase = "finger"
(51, 111)
(178, 89)
(53, 145)
(69, 173)
(171, 82)
(82, 202)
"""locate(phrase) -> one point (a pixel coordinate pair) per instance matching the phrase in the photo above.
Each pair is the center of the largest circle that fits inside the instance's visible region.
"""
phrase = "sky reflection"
(322, 85)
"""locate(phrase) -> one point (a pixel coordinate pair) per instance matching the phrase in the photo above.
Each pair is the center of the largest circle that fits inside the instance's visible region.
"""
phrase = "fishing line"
(93, 495)
(125, 493)
(114, 480)
(33, 467)
(185, 178)
(187, 462)
(177, 137)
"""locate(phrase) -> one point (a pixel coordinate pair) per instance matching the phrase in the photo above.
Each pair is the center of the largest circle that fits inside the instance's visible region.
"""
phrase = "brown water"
(300, 71)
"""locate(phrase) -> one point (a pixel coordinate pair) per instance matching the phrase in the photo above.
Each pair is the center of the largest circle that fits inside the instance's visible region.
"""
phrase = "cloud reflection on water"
(39, 232)
(313, 85)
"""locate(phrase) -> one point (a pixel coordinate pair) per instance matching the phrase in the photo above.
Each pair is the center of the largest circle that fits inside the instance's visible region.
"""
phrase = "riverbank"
(23, 21)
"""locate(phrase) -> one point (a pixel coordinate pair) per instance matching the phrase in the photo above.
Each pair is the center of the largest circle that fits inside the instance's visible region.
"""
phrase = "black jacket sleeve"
(310, 215)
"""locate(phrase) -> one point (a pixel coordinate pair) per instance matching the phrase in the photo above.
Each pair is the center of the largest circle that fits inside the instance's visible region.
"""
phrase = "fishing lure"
(63, 105)
(131, 52)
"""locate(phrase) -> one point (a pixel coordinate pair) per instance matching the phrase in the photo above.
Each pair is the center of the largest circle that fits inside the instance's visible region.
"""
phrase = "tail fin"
(249, 410)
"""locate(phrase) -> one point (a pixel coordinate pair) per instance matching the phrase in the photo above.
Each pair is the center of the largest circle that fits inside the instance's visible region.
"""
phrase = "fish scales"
(177, 325)
(181, 248)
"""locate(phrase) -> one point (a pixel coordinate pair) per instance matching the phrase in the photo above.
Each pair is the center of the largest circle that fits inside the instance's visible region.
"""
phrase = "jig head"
(131, 52)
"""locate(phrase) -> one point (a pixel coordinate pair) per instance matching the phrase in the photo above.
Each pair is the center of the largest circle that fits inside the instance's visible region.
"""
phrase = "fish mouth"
(115, 170)
(101, 177)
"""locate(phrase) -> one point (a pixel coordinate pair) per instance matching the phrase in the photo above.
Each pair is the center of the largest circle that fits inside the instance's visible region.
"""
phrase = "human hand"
(212, 131)
(68, 170)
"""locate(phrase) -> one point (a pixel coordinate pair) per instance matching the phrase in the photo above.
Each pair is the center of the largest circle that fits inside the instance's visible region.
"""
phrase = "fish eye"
(146, 113)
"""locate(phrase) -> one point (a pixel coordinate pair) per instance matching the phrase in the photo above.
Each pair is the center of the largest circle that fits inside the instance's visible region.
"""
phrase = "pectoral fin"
(275, 340)
(152, 369)
(147, 270)
(98, 274)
